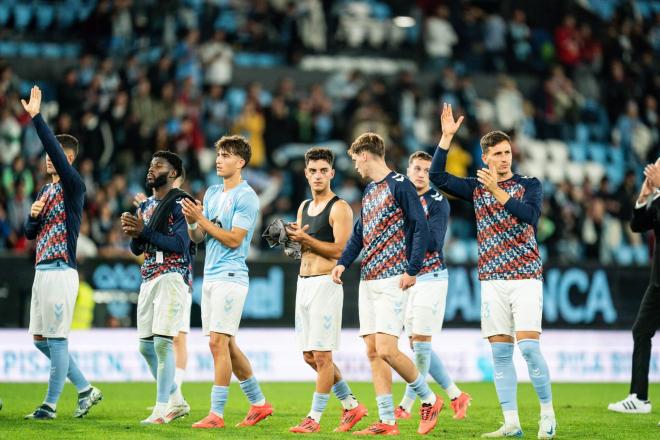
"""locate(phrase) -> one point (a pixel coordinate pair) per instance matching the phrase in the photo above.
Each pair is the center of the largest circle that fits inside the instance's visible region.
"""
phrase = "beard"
(159, 181)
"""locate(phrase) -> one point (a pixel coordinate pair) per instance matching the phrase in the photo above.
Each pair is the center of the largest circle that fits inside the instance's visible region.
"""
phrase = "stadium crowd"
(595, 82)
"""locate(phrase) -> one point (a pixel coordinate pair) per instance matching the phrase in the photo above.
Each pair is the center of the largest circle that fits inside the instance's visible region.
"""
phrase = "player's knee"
(218, 345)
(372, 353)
(387, 352)
(322, 359)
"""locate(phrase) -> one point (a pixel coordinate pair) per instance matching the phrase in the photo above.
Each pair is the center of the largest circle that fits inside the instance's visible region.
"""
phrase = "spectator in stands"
(440, 39)
(86, 247)
(217, 58)
(520, 35)
(10, 136)
(7, 236)
(508, 104)
(631, 135)
(280, 125)
(146, 111)
(251, 124)
(15, 173)
(568, 42)
(495, 42)
(18, 207)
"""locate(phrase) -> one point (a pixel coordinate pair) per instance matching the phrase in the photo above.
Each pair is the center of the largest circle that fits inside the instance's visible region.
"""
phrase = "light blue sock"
(149, 354)
(342, 390)
(74, 374)
(385, 408)
(59, 365)
(423, 352)
(219, 395)
(345, 395)
(438, 372)
(410, 394)
(505, 375)
(164, 348)
(421, 388)
(537, 367)
(252, 391)
(319, 402)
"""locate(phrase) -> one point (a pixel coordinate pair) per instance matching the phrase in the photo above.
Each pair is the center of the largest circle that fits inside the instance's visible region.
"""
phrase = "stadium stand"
(577, 87)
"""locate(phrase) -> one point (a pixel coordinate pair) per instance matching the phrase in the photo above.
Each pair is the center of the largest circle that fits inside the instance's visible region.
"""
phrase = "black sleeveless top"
(319, 225)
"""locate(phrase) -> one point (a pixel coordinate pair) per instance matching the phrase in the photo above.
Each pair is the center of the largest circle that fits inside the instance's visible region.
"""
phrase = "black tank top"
(319, 225)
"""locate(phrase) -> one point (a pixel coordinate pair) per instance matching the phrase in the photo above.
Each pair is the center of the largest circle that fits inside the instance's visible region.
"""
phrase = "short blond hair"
(370, 142)
(422, 155)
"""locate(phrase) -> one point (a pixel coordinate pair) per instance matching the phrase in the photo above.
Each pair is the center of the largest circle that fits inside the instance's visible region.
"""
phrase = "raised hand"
(34, 106)
(192, 210)
(449, 125)
(487, 178)
(652, 173)
(38, 206)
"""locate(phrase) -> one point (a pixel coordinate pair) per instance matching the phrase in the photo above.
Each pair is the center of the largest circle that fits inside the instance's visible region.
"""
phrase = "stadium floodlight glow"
(404, 21)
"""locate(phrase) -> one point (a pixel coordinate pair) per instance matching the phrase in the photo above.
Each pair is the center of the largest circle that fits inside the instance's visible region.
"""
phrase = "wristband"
(192, 226)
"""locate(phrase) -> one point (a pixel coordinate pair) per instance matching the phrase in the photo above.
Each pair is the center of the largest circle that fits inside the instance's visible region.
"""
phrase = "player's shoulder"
(398, 181)
(397, 178)
(213, 190)
(434, 196)
(528, 180)
(246, 194)
(340, 205)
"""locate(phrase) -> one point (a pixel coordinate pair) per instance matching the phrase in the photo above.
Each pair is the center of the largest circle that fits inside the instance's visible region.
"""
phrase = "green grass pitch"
(581, 413)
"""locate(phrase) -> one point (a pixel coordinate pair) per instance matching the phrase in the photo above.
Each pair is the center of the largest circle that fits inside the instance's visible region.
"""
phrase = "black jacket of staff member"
(645, 218)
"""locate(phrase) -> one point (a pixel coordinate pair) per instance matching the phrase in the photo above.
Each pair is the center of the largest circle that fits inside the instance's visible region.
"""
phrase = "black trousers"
(646, 323)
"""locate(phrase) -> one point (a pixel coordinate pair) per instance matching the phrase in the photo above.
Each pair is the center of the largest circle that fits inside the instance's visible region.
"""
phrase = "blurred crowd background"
(574, 82)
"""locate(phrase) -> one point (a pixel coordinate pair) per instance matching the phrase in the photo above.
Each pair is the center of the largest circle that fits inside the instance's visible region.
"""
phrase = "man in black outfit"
(645, 217)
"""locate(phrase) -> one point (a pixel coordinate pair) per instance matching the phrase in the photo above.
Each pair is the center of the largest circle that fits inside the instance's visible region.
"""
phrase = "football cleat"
(86, 401)
(211, 421)
(460, 406)
(350, 417)
(256, 414)
(401, 413)
(44, 412)
(505, 431)
(307, 426)
(379, 428)
(547, 427)
(429, 415)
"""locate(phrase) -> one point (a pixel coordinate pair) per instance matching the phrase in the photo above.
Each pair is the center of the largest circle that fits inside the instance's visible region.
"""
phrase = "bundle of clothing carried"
(275, 234)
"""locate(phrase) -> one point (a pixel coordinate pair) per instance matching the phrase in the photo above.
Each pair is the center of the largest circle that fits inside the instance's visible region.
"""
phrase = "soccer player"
(393, 232)
(54, 221)
(159, 232)
(645, 218)
(180, 341)
(426, 299)
(226, 220)
(507, 208)
(322, 228)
